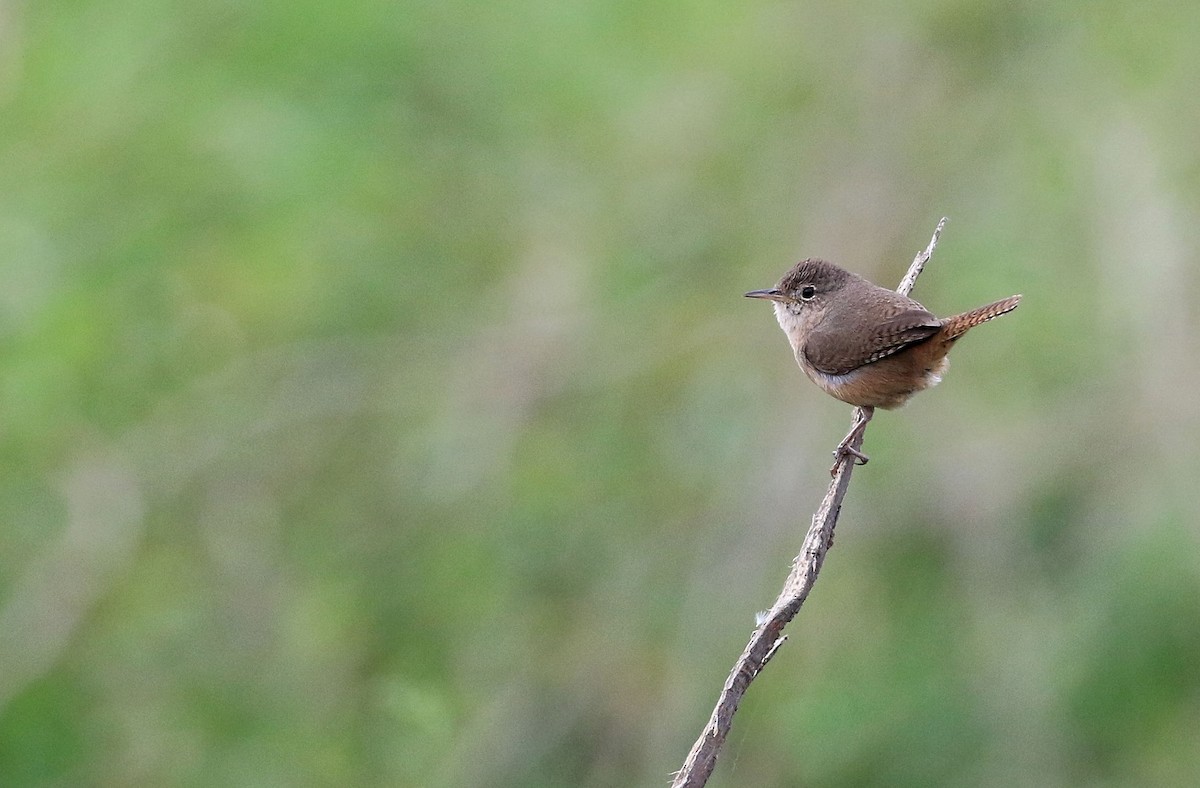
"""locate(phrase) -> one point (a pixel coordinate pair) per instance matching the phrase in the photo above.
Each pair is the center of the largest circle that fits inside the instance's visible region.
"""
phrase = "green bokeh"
(378, 405)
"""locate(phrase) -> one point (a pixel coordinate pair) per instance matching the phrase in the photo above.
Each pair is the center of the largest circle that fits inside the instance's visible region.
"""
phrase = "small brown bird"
(865, 344)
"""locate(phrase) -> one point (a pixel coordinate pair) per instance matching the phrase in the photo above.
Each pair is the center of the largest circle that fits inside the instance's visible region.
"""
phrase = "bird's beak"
(770, 295)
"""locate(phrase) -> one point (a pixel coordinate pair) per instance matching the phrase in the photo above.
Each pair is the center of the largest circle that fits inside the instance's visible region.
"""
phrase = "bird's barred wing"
(837, 347)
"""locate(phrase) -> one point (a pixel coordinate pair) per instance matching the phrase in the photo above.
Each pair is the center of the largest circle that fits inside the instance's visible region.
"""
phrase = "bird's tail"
(954, 327)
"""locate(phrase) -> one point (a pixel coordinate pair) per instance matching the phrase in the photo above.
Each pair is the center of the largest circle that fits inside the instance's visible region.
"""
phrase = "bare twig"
(918, 263)
(768, 635)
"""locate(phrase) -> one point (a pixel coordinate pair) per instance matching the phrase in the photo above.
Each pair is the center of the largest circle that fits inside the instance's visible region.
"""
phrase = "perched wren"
(864, 344)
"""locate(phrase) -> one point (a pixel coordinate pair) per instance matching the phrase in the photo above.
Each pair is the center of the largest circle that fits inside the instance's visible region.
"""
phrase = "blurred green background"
(379, 405)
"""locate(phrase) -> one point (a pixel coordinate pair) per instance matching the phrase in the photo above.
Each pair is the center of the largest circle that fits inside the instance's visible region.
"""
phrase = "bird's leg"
(844, 448)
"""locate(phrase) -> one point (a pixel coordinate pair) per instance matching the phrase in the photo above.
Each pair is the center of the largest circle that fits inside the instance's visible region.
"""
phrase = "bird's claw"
(842, 452)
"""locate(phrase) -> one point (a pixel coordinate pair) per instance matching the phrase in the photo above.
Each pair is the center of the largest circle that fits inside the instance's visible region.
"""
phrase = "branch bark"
(768, 635)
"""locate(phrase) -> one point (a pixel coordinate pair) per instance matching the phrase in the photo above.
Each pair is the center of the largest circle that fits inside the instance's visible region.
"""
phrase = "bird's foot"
(845, 450)
(842, 453)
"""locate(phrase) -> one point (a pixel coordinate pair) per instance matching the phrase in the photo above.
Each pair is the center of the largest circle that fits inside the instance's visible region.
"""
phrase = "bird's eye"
(808, 292)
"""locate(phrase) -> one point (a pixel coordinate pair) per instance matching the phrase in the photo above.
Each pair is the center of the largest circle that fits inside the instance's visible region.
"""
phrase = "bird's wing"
(838, 346)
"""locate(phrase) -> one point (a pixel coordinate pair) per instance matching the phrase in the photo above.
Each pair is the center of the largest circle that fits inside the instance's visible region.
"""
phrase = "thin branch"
(918, 263)
(768, 635)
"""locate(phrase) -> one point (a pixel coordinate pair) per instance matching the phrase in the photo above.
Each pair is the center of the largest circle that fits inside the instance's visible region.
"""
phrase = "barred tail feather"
(955, 327)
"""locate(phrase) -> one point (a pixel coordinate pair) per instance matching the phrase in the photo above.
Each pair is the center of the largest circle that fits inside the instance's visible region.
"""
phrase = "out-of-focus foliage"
(378, 404)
